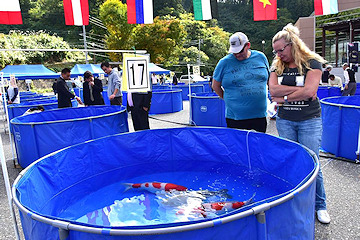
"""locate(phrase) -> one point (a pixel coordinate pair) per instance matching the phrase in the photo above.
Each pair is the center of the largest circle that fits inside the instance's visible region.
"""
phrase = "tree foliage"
(33, 40)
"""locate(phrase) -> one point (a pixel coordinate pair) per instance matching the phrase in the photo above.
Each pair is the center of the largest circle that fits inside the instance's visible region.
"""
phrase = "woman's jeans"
(307, 133)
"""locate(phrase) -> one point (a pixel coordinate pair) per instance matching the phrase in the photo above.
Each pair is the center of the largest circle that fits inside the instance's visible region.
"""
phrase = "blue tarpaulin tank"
(326, 91)
(341, 122)
(166, 101)
(16, 110)
(54, 191)
(208, 109)
(195, 88)
(42, 133)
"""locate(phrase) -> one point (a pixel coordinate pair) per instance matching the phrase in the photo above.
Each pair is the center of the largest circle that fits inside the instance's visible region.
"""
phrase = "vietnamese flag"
(10, 12)
(265, 10)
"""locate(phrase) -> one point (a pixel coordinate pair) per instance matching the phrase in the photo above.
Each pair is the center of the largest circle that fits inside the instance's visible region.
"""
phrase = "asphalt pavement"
(341, 179)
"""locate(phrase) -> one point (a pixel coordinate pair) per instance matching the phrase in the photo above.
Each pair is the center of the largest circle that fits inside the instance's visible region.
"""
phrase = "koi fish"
(155, 186)
(220, 207)
(217, 207)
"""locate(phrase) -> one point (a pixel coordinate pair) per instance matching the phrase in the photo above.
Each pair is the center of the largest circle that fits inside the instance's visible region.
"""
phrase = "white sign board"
(28, 81)
(196, 70)
(138, 78)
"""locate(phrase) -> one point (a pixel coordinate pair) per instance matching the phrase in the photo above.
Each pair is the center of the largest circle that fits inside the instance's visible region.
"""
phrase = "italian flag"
(204, 9)
(10, 12)
(325, 7)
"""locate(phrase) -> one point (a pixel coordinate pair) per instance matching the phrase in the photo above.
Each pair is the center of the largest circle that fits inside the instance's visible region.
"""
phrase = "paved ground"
(342, 184)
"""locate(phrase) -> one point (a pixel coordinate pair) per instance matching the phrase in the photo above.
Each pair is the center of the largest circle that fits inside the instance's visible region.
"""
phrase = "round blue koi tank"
(166, 101)
(341, 122)
(16, 110)
(208, 109)
(195, 88)
(39, 134)
(53, 192)
(327, 91)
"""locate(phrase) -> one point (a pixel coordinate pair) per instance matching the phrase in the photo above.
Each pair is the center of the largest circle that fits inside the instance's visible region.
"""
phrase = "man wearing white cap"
(240, 78)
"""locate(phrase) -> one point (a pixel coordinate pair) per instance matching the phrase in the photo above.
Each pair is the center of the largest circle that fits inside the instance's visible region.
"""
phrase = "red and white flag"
(10, 12)
(76, 12)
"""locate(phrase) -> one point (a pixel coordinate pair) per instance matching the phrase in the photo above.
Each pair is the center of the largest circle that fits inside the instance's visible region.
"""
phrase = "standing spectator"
(54, 87)
(154, 79)
(335, 81)
(92, 90)
(350, 82)
(13, 95)
(175, 79)
(325, 75)
(114, 84)
(138, 104)
(64, 94)
(294, 80)
(243, 74)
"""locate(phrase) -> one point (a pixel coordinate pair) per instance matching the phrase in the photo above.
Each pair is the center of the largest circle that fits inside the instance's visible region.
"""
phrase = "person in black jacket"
(138, 104)
(92, 89)
(64, 94)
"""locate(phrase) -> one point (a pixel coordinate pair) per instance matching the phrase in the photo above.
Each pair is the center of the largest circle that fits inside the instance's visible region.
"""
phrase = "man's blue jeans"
(307, 133)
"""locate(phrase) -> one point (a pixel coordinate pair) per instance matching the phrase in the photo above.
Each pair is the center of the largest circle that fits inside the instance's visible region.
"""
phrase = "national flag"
(265, 10)
(10, 12)
(325, 7)
(140, 11)
(76, 12)
(205, 9)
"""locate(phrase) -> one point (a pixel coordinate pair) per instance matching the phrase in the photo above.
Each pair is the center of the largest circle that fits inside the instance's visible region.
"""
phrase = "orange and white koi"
(155, 186)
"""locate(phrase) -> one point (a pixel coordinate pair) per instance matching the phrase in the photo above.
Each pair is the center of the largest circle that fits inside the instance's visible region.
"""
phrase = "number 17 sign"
(137, 74)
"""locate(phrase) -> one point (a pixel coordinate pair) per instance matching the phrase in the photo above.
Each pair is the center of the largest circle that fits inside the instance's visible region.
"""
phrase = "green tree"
(34, 40)
(119, 32)
(162, 40)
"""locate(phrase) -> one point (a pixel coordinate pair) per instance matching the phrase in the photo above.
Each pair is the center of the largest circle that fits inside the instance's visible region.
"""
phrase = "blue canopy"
(79, 69)
(158, 70)
(22, 72)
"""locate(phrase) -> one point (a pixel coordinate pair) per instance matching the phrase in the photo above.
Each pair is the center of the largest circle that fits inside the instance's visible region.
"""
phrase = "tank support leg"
(63, 234)
(261, 226)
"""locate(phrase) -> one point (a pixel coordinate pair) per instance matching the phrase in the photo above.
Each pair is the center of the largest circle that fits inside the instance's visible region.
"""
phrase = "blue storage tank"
(42, 133)
(341, 121)
(195, 88)
(327, 91)
(208, 109)
(106, 97)
(16, 110)
(40, 98)
(166, 101)
(357, 89)
(55, 190)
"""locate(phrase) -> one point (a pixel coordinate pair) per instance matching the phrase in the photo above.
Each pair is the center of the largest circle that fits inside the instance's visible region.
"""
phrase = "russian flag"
(325, 7)
(140, 11)
(76, 12)
(10, 12)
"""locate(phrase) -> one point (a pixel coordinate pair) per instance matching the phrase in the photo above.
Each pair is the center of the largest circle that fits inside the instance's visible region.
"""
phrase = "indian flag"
(205, 9)
(325, 7)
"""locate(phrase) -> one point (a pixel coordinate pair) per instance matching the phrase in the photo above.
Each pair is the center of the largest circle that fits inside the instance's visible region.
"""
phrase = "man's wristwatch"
(286, 99)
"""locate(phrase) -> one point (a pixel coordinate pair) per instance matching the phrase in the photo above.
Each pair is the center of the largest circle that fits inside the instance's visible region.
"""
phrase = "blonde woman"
(13, 95)
(293, 83)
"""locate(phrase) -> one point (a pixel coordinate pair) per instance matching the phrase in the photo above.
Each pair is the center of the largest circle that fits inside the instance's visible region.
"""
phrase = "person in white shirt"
(350, 82)
(335, 81)
(154, 79)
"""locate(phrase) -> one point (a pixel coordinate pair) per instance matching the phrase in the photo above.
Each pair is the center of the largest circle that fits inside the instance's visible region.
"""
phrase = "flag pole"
(190, 115)
(6, 175)
(85, 45)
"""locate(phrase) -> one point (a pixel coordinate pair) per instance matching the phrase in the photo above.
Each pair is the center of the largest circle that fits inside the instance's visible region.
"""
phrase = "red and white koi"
(155, 186)
(218, 207)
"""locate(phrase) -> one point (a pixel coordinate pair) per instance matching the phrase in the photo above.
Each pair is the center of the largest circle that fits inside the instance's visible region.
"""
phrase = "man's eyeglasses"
(281, 50)
(242, 49)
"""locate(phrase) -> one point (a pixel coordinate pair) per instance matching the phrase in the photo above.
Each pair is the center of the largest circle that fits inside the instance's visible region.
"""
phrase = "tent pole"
(85, 45)
(190, 115)
(5, 172)
(8, 121)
